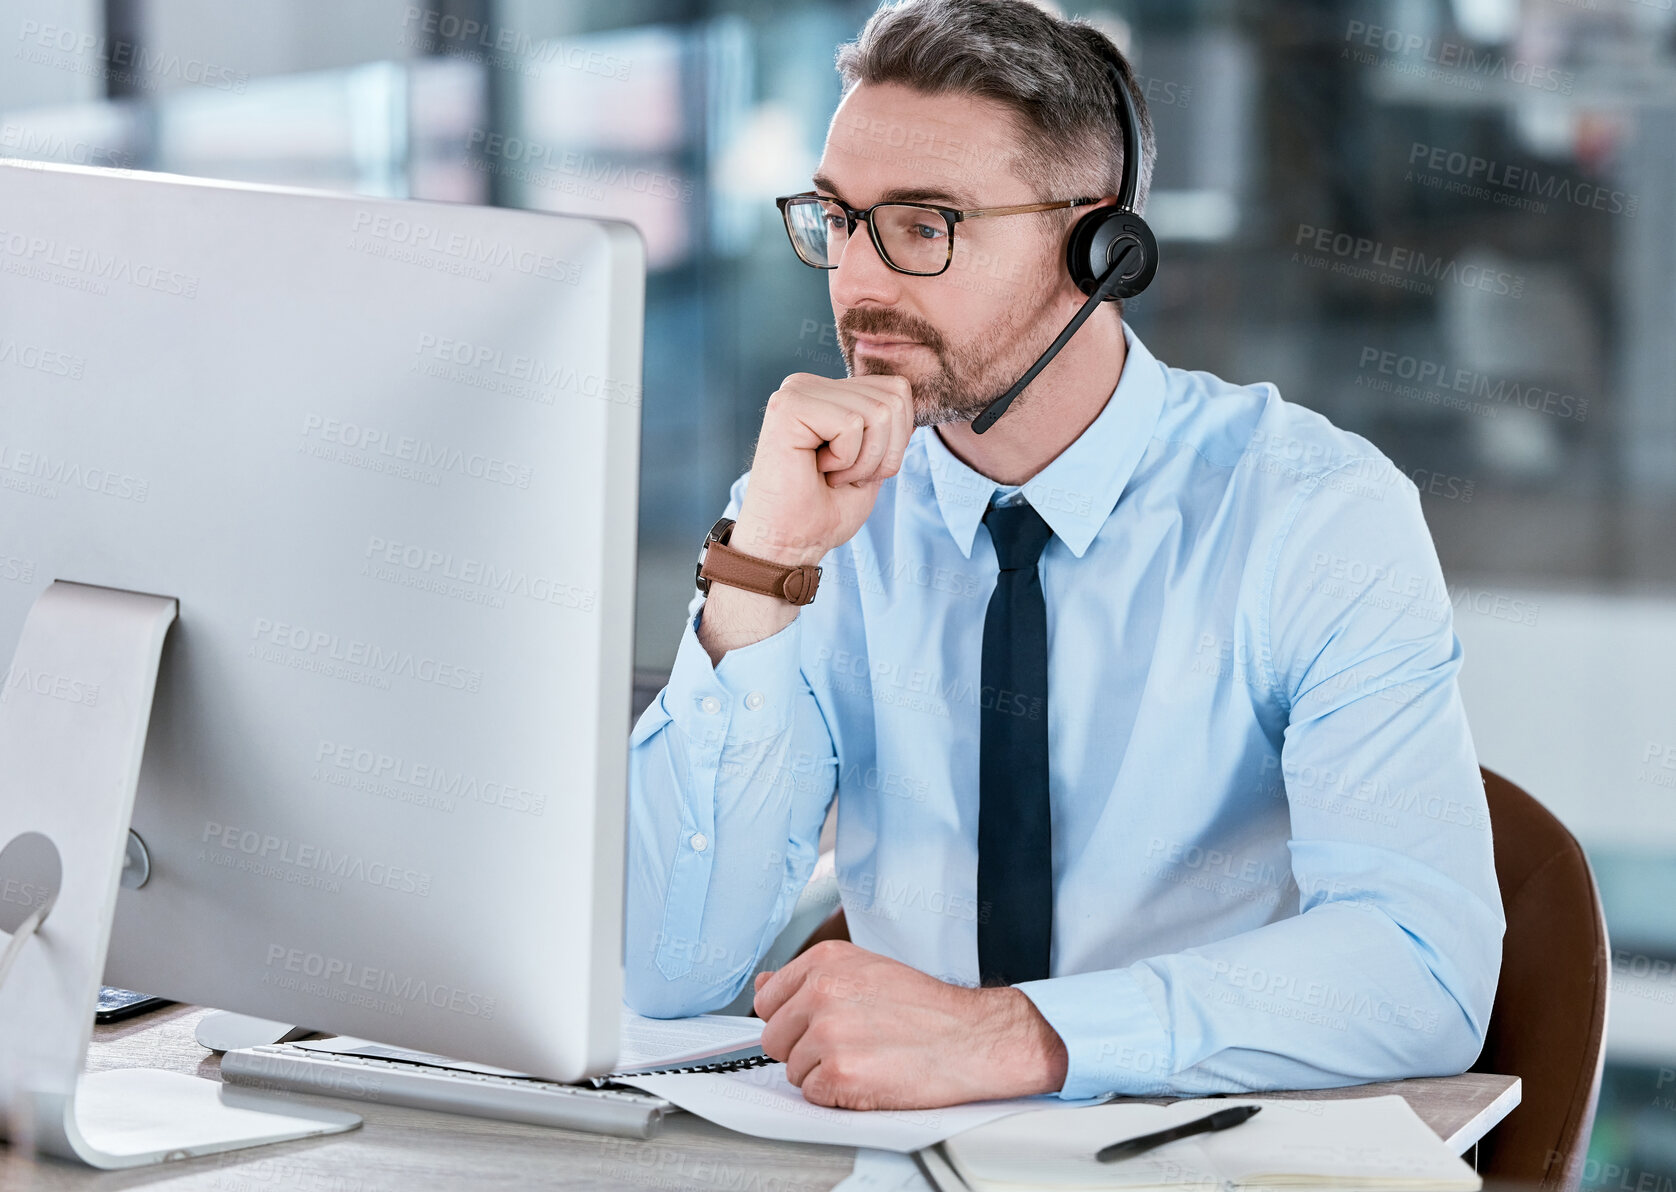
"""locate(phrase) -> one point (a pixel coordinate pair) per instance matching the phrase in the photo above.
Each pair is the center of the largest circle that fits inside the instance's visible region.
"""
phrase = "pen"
(1222, 1119)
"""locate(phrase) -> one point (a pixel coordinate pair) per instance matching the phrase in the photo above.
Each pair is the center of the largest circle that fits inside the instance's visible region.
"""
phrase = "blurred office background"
(1450, 225)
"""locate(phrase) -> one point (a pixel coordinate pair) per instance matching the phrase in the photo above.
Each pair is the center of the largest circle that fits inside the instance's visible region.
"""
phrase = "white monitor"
(384, 455)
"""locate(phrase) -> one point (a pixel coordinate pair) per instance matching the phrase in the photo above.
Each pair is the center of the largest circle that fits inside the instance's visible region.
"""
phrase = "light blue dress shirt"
(1271, 849)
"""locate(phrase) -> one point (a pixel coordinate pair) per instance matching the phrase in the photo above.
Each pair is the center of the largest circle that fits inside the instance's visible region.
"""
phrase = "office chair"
(1549, 1020)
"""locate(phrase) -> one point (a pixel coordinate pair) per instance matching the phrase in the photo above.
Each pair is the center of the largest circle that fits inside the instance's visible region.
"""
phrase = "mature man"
(1140, 708)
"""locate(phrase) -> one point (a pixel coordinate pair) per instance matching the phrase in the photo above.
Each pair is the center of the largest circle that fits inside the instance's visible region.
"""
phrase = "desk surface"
(398, 1150)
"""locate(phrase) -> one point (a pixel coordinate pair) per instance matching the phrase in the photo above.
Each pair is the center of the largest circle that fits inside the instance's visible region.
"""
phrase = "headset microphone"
(998, 407)
(1111, 253)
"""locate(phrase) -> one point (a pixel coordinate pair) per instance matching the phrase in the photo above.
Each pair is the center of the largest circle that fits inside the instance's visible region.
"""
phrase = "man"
(1175, 797)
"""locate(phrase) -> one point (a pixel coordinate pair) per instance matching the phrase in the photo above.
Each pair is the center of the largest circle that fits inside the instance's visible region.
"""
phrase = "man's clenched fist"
(826, 446)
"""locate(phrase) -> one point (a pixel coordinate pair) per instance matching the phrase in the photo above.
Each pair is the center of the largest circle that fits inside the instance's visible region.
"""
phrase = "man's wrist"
(1028, 1053)
(752, 538)
(732, 618)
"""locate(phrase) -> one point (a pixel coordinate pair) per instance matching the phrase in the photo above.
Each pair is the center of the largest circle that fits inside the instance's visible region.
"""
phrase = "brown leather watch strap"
(724, 565)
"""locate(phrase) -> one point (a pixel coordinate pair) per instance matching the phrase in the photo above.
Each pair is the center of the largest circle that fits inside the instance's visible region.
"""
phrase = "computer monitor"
(384, 455)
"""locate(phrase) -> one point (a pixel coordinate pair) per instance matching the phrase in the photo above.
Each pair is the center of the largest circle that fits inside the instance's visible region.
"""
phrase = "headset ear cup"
(1100, 238)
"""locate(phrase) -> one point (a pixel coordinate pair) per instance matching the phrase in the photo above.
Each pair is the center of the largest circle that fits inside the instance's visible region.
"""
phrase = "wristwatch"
(722, 564)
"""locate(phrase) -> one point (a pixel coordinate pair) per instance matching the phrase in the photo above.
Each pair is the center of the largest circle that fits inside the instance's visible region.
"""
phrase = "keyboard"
(628, 1113)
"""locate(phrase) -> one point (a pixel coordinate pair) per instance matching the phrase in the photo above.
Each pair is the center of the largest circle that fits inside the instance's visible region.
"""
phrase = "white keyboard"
(629, 1113)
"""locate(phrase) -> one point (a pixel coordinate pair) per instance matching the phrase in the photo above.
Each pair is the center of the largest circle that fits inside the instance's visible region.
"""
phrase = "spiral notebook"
(647, 1046)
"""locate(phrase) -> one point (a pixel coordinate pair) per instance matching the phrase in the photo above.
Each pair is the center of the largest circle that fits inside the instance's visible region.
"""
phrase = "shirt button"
(699, 841)
(753, 701)
(710, 704)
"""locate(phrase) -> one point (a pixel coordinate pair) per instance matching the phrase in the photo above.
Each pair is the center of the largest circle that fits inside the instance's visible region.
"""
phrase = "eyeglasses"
(914, 238)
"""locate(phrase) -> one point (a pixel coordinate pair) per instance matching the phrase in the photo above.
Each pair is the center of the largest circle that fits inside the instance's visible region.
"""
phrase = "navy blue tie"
(1015, 829)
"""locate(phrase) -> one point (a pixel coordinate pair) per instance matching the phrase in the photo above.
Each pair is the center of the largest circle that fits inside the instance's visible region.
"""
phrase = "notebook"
(1371, 1143)
(704, 1043)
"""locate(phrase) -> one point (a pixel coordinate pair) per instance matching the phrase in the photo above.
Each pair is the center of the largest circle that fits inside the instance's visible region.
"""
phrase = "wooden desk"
(412, 1150)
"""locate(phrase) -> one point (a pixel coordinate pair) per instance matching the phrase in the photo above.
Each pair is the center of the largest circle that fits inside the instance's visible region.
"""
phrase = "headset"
(1111, 253)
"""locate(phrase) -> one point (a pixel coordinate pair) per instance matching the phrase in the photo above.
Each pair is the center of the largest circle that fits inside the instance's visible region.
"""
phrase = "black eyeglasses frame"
(951, 216)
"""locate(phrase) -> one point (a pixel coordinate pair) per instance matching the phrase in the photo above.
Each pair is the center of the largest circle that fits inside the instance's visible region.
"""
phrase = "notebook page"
(1365, 1141)
(648, 1041)
(1056, 1147)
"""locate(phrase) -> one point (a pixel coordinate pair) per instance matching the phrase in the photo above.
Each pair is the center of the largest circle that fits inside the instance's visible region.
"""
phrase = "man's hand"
(826, 446)
(857, 1030)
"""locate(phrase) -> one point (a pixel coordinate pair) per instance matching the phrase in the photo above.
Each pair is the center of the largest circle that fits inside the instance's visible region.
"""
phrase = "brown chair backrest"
(1550, 1011)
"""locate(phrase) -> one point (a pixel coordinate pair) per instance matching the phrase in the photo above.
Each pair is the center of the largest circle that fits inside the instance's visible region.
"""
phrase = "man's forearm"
(1342, 994)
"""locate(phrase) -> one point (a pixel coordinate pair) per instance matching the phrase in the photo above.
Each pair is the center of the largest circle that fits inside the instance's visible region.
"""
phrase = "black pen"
(1222, 1119)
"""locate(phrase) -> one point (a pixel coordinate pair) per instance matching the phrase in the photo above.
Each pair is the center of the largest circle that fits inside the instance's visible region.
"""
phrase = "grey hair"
(1048, 71)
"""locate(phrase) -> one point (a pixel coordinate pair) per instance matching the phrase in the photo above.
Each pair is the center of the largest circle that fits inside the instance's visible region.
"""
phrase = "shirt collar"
(1076, 493)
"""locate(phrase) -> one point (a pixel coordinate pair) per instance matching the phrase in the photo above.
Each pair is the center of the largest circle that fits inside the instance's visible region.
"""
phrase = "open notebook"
(1361, 1143)
(705, 1043)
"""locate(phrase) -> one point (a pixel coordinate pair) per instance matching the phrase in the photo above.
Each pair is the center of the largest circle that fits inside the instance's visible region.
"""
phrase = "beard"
(966, 377)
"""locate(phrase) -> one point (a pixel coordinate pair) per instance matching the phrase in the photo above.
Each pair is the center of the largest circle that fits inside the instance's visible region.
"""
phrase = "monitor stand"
(74, 709)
